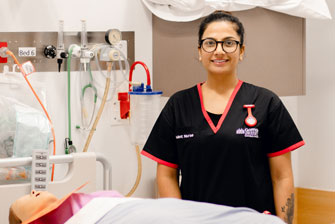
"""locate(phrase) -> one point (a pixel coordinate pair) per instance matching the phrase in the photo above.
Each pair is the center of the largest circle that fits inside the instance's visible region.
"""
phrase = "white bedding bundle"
(188, 10)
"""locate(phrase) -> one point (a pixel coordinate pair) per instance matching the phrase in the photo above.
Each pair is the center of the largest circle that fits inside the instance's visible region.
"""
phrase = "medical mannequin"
(230, 140)
(36, 201)
(135, 211)
(47, 206)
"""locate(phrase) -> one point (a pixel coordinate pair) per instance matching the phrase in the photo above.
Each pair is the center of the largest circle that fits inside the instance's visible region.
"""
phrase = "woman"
(230, 140)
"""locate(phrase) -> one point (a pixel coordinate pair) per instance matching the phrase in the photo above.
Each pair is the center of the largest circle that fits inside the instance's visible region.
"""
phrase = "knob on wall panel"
(50, 51)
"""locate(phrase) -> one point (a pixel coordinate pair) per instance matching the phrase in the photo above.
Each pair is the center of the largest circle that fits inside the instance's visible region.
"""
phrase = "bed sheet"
(165, 210)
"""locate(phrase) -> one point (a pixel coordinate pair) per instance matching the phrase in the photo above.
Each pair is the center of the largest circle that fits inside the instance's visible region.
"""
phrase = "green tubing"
(83, 90)
(69, 90)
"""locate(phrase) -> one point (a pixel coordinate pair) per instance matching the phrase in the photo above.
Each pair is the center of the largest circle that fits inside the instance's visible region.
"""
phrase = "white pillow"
(173, 10)
(301, 8)
(185, 5)
(188, 10)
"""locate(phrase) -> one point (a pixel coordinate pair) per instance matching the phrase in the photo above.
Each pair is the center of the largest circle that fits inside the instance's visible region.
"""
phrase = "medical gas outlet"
(86, 56)
(76, 50)
(109, 54)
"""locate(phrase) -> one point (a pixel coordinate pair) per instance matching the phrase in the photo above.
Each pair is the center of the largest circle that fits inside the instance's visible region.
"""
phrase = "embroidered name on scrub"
(184, 136)
(248, 132)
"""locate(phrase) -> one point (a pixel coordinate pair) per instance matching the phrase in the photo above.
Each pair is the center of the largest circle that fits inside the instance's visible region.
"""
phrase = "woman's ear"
(242, 49)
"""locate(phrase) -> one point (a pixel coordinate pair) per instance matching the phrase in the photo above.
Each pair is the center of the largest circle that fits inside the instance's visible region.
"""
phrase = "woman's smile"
(220, 62)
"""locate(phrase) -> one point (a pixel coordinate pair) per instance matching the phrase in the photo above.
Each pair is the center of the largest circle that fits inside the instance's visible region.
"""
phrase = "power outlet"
(115, 114)
(114, 104)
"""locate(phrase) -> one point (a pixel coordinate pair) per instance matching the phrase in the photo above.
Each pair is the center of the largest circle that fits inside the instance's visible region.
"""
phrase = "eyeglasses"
(209, 45)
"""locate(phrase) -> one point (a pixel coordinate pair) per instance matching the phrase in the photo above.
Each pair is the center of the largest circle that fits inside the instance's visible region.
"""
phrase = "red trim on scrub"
(172, 165)
(223, 116)
(289, 149)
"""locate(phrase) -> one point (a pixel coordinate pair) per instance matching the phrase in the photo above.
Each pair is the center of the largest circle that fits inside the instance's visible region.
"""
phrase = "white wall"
(316, 110)
(126, 15)
(290, 103)
(314, 163)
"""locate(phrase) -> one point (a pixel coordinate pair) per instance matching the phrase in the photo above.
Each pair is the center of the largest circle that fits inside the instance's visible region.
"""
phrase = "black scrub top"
(226, 163)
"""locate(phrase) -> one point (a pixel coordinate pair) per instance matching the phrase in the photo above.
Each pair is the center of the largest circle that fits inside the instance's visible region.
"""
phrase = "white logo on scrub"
(184, 136)
(248, 132)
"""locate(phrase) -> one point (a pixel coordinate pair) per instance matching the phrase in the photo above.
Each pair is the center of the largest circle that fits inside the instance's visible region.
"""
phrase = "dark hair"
(221, 16)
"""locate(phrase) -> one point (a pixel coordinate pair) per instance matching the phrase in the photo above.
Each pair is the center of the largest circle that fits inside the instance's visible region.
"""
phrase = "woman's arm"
(283, 187)
(167, 180)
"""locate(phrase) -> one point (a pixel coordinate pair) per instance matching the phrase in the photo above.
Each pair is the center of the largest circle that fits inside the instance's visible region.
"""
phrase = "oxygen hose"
(45, 111)
(104, 98)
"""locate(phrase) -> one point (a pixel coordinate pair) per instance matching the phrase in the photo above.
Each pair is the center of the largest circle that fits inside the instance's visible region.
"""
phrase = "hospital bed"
(81, 169)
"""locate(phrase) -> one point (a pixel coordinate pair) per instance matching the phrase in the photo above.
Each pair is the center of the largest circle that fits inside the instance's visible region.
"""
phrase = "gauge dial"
(113, 36)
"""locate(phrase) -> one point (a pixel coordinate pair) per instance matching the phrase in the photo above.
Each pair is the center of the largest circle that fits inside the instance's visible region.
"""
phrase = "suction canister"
(144, 108)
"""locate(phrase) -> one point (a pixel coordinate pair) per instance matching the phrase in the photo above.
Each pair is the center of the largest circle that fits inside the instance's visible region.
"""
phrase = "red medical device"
(251, 121)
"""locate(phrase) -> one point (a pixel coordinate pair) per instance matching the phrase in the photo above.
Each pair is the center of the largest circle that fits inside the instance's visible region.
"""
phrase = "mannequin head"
(28, 205)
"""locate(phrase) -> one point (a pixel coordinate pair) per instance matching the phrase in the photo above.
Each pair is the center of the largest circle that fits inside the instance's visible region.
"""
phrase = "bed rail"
(62, 159)
(82, 169)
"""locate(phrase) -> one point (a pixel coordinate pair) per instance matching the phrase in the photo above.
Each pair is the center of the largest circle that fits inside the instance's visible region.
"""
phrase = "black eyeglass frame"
(217, 42)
